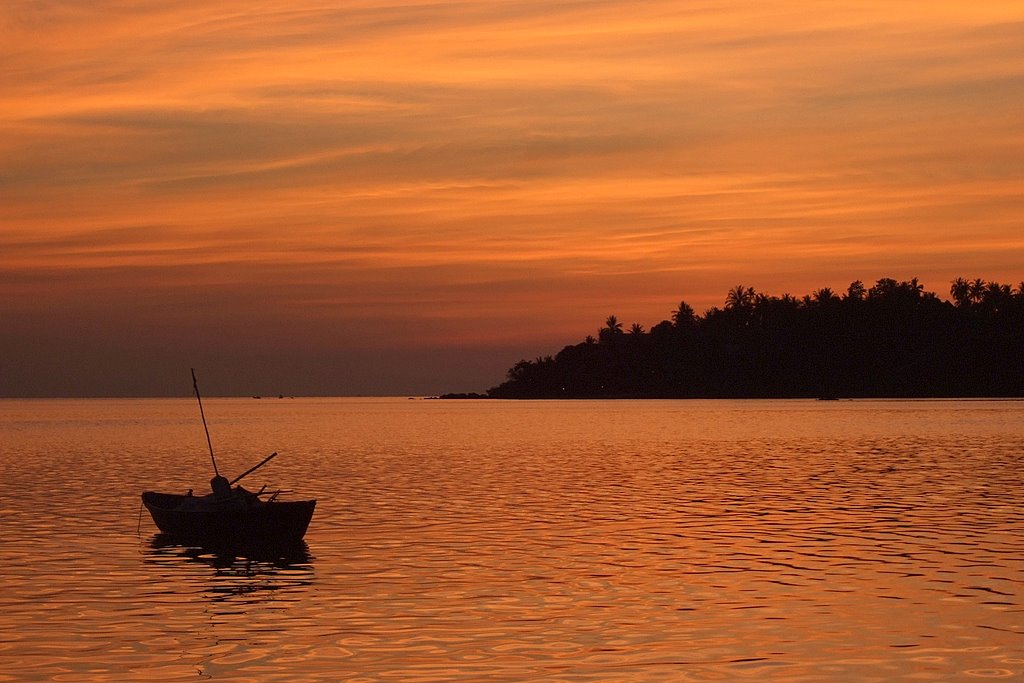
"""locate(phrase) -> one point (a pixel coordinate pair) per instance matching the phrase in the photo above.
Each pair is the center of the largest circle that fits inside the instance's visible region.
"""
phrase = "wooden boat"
(240, 518)
(230, 515)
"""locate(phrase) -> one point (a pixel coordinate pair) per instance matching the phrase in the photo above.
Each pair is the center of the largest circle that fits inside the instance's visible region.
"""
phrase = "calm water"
(523, 541)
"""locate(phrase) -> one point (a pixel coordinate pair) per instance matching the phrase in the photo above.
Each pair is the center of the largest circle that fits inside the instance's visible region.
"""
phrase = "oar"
(253, 469)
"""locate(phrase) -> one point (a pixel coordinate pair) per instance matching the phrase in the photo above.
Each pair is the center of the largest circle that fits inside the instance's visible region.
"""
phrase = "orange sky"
(365, 197)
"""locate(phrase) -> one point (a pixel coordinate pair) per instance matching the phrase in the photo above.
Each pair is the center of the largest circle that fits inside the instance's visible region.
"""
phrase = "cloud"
(435, 172)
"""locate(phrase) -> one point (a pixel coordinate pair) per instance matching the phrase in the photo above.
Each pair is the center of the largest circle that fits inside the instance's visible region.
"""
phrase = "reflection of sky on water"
(494, 541)
(244, 597)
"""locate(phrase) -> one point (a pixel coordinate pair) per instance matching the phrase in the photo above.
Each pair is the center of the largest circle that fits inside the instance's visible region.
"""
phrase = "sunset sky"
(370, 198)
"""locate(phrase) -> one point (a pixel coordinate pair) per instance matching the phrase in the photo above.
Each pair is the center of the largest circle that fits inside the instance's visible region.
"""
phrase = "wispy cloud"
(476, 164)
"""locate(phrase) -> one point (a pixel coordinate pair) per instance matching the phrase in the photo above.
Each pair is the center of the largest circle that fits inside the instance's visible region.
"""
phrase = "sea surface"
(522, 541)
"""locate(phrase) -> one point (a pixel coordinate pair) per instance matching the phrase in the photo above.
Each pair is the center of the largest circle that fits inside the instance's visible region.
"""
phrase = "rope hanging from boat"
(138, 531)
(195, 385)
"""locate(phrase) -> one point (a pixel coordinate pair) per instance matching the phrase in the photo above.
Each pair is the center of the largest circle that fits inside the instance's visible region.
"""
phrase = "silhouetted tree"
(612, 330)
(884, 288)
(996, 297)
(894, 339)
(684, 317)
(960, 290)
(824, 296)
(976, 290)
(740, 298)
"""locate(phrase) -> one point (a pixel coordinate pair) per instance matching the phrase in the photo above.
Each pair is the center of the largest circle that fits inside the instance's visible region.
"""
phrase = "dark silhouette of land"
(890, 340)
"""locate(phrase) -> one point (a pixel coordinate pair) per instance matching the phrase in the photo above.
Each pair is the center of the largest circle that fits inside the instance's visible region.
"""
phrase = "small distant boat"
(230, 514)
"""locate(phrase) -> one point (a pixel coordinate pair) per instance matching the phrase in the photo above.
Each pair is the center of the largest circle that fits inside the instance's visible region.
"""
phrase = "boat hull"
(266, 523)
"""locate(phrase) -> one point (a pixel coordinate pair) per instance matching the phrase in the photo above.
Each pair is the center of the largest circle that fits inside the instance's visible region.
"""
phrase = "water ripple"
(591, 541)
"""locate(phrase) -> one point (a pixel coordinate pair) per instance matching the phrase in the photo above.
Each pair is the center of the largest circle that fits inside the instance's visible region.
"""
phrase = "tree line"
(893, 339)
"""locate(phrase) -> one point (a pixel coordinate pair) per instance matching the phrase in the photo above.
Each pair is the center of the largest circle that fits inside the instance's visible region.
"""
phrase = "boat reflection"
(279, 555)
(239, 569)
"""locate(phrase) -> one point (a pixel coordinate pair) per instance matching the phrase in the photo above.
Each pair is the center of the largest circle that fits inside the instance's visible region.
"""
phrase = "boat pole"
(195, 385)
(253, 469)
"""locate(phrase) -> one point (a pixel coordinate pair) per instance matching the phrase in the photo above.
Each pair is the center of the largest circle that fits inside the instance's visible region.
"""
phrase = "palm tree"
(824, 296)
(960, 290)
(636, 329)
(883, 288)
(996, 296)
(977, 290)
(612, 329)
(684, 316)
(740, 297)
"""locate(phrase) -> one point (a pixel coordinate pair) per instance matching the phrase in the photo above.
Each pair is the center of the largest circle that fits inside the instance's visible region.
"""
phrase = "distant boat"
(230, 514)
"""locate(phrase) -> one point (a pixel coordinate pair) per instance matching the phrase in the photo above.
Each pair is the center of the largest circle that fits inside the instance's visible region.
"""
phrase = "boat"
(230, 514)
(242, 518)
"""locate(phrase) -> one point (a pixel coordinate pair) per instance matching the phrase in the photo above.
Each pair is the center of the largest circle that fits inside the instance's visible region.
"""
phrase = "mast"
(209, 443)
